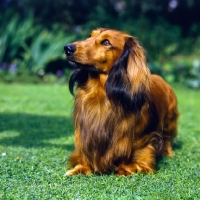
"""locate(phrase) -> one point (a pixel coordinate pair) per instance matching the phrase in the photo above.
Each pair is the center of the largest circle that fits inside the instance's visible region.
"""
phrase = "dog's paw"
(78, 169)
(125, 170)
(71, 172)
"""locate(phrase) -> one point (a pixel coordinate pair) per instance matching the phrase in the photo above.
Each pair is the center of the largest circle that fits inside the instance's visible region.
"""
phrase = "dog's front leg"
(79, 164)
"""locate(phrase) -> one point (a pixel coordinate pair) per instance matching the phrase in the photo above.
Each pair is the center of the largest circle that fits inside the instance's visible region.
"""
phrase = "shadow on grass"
(34, 130)
(176, 144)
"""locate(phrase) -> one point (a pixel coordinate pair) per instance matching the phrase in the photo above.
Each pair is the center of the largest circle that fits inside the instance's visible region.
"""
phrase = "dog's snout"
(69, 49)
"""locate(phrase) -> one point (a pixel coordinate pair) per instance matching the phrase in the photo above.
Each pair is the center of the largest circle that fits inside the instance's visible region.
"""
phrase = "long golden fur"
(124, 116)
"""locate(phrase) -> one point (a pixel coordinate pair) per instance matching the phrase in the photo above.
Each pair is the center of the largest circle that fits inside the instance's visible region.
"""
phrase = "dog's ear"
(129, 78)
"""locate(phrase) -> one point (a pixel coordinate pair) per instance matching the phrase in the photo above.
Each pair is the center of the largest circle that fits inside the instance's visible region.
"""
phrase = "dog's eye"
(105, 42)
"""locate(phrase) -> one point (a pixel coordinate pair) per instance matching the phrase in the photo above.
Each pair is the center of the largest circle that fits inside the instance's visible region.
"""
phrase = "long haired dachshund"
(124, 116)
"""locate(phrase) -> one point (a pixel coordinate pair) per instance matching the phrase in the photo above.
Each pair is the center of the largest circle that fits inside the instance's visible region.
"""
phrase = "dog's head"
(99, 51)
(115, 54)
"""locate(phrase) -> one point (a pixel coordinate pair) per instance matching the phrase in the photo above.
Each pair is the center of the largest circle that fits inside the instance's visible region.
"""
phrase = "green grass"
(36, 138)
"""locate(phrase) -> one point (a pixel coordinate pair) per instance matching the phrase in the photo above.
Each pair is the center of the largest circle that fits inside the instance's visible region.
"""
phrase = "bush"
(31, 52)
(26, 49)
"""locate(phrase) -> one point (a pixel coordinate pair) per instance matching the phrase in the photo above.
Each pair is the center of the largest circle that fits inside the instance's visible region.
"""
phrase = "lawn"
(36, 138)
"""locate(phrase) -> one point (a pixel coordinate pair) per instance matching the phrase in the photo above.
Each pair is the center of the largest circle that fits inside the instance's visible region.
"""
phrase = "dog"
(124, 116)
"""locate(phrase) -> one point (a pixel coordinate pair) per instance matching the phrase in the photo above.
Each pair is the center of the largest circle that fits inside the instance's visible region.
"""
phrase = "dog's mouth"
(86, 67)
(73, 62)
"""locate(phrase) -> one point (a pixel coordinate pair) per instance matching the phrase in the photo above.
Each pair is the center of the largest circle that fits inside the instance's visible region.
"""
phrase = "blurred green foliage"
(27, 48)
(33, 33)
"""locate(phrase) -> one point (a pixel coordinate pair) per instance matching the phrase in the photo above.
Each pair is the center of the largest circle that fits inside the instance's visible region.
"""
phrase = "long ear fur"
(80, 77)
(129, 79)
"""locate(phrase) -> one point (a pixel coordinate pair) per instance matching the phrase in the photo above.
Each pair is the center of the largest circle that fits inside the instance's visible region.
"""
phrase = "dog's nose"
(69, 49)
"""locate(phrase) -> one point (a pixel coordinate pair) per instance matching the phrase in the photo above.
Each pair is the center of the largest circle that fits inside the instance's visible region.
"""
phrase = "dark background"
(168, 29)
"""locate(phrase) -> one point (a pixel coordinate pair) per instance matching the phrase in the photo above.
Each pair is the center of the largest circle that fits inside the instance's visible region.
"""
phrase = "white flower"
(3, 154)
